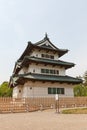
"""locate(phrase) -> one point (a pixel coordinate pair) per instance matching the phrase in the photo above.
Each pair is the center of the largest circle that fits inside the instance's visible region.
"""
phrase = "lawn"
(75, 111)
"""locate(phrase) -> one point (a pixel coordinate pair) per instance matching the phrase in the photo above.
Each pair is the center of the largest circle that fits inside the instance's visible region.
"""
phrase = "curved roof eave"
(51, 78)
(28, 59)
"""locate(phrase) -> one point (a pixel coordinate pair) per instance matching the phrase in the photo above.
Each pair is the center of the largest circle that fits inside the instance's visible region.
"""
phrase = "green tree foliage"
(81, 89)
(85, 78)
(5, 91)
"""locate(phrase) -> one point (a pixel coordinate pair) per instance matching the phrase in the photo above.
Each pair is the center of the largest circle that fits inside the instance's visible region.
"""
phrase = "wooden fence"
(13, 105)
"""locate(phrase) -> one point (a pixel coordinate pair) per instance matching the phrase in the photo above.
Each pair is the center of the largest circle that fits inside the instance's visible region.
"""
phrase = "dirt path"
(46, 120)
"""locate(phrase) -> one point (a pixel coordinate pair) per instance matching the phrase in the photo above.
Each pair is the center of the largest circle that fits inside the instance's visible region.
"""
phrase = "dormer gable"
(46, 43)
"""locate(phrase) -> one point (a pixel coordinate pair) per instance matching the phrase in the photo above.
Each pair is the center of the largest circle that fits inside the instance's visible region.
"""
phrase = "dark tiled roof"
(30, 46)
(59, 51)
(52, 78)
(28, 59)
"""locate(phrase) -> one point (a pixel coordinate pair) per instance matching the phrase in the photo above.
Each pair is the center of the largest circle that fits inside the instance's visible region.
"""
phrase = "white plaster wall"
(15, 92)
(69, 92)
(62, 71)
(25, 91)
(37, 53)
(39, 89)
(38, 68)
(23, 70)
(56, 57)
(34, 91)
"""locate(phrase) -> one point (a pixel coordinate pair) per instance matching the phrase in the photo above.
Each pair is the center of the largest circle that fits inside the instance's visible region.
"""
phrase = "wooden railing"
(13, 105)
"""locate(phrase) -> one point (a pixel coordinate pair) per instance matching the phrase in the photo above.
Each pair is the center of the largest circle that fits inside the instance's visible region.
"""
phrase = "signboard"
(56, 97)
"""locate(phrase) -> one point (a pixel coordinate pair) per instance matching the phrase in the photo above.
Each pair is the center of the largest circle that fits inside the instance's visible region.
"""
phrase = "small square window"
(34, 71)
(42, 55)
(19, 91)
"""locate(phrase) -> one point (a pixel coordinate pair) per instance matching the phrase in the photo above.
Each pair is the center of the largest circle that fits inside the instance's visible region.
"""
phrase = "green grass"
(75, 111)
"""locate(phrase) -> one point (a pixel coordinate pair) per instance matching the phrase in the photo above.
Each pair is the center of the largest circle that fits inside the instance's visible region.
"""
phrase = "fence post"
(57, 102)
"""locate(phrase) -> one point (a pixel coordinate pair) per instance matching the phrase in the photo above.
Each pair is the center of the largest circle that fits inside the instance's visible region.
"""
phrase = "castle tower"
(39, 72)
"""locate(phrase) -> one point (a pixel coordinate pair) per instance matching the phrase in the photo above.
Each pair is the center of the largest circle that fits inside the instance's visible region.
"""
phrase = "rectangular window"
(51, 71)
(47, 56)
(49, 90)
(54, 71)
(60, 90)
(55, 90)
(57, 71)
(42, 71)
(47, 71)
(52, 57)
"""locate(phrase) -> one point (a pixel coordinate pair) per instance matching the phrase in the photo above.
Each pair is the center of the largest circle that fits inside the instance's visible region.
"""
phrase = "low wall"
(12, 105)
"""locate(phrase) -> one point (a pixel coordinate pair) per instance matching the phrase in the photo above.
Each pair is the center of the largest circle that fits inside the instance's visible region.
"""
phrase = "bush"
(5, 91)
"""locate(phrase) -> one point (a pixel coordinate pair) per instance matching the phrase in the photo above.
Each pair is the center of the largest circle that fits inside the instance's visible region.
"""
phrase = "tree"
(85, 78)
(5, 91)
(81, 89)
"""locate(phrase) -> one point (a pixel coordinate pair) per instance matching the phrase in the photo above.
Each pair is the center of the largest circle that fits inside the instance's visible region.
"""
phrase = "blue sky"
(21, 21)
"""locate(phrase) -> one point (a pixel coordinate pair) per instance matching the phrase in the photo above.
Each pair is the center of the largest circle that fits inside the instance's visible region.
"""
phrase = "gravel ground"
(46, 120)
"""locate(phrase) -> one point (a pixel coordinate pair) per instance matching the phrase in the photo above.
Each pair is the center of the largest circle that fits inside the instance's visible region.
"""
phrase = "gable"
(47, 44)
